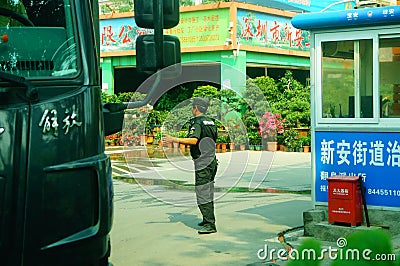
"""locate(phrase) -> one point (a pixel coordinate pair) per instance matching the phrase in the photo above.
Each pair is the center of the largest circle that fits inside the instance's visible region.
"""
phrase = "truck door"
(13, 143)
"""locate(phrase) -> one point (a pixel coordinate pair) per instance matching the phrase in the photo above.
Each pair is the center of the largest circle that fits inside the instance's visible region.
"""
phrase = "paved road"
(288, 171)
(155, 220)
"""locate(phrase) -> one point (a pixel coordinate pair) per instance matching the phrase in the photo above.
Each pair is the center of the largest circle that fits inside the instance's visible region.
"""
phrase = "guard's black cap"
(201, 102)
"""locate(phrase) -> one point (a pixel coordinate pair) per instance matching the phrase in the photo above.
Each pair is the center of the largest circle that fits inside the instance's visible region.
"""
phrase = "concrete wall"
(316, 225)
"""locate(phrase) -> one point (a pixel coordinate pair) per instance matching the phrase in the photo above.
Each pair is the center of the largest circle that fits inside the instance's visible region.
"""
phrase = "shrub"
(304, 141)
(271, 125)
(290, 138)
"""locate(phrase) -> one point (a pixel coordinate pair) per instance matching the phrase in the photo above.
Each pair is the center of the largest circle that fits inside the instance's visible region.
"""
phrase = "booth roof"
(375, 16)
(273, 4)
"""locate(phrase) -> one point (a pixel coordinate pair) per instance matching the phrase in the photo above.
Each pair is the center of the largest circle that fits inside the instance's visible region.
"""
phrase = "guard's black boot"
(207, 229)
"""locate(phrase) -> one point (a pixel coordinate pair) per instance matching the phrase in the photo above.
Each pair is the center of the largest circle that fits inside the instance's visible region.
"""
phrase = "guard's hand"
(167, 139)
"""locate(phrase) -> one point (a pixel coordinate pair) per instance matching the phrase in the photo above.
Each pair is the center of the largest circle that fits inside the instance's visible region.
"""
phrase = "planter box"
(272, 146)
(396, 108)
(396, 88)
(150, 139)
(223, 146)
(143, 140)
(232, 146)
(303, 131)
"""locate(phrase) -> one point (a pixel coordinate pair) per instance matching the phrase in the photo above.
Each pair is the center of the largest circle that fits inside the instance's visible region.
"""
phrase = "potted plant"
(114, 139)
(305, 143)
(157, 138)
(237, 133)
(218, 143)
(241, 140)
(280, 140)
(129, 137)
(270, 126)
(255, 140)
(290, 139)
(108, 140)
(232, 146)
(222, 142)
(225, 142)
(150, 139)
(298, 146)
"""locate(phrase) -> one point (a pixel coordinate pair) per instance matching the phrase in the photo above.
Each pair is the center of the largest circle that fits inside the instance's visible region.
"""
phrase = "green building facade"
(254, 40)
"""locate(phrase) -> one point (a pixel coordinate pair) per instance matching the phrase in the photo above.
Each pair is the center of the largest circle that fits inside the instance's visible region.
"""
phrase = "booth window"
(347, 79)
(389, 78)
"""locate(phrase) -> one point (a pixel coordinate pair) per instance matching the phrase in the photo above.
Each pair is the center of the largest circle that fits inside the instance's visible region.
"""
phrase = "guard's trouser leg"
(205, 191)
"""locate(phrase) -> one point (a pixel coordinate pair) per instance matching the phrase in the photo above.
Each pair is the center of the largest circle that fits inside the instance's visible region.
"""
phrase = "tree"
(268, 86)
(295, 107)
(186, 2)
(207, 91)
(117, 6)
(173, 97)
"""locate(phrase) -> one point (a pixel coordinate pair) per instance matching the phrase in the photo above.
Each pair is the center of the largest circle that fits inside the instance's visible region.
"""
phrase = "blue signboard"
(374, 156)
(316, 6)
(301, 5)
(119, 34)
(348, 18)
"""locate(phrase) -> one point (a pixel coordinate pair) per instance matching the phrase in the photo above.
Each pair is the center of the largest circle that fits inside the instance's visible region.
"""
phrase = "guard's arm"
(187, 141)
(192, 138)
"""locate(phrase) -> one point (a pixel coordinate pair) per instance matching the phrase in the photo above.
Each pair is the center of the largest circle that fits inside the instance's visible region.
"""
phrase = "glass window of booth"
(347, 79)
(389, 78)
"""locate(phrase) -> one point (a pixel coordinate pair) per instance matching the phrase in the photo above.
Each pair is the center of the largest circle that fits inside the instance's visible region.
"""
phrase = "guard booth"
(355, 101)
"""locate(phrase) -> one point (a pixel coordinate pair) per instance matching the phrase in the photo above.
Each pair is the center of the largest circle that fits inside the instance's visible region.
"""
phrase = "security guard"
(201, 137)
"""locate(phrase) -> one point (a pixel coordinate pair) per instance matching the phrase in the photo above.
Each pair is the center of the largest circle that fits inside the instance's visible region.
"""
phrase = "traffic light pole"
(158, 9)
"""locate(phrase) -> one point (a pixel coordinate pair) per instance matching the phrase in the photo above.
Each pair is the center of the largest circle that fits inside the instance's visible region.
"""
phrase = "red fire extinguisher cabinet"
(344, 200)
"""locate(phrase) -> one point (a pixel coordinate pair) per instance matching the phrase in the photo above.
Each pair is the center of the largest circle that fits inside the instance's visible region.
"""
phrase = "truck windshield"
(37, 38)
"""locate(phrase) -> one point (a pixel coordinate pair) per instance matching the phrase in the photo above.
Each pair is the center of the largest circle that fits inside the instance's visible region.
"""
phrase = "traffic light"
(144, 13)
(146, 53)
(156, 51)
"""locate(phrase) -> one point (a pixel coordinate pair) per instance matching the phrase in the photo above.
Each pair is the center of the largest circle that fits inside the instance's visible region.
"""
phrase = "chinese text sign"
(199, 28)
(260, 29)
(374, 156)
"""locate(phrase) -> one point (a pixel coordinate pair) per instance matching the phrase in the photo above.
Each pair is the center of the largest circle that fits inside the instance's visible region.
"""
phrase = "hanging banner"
(195, 29)
(271, 31)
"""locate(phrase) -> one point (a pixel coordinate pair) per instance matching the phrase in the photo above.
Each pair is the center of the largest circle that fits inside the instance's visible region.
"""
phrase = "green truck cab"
(56, 191)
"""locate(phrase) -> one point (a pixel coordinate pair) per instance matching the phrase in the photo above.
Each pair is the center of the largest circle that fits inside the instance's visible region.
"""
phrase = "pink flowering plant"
(271, 125)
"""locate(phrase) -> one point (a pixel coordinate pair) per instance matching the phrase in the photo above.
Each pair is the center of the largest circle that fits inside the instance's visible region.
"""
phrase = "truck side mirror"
(113, 117)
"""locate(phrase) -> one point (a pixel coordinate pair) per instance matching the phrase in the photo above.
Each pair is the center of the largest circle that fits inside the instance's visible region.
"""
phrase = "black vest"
(204, 129)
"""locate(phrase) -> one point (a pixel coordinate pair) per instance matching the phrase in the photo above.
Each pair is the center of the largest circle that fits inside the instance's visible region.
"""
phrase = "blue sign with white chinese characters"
(387, 15)
(374, 156)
